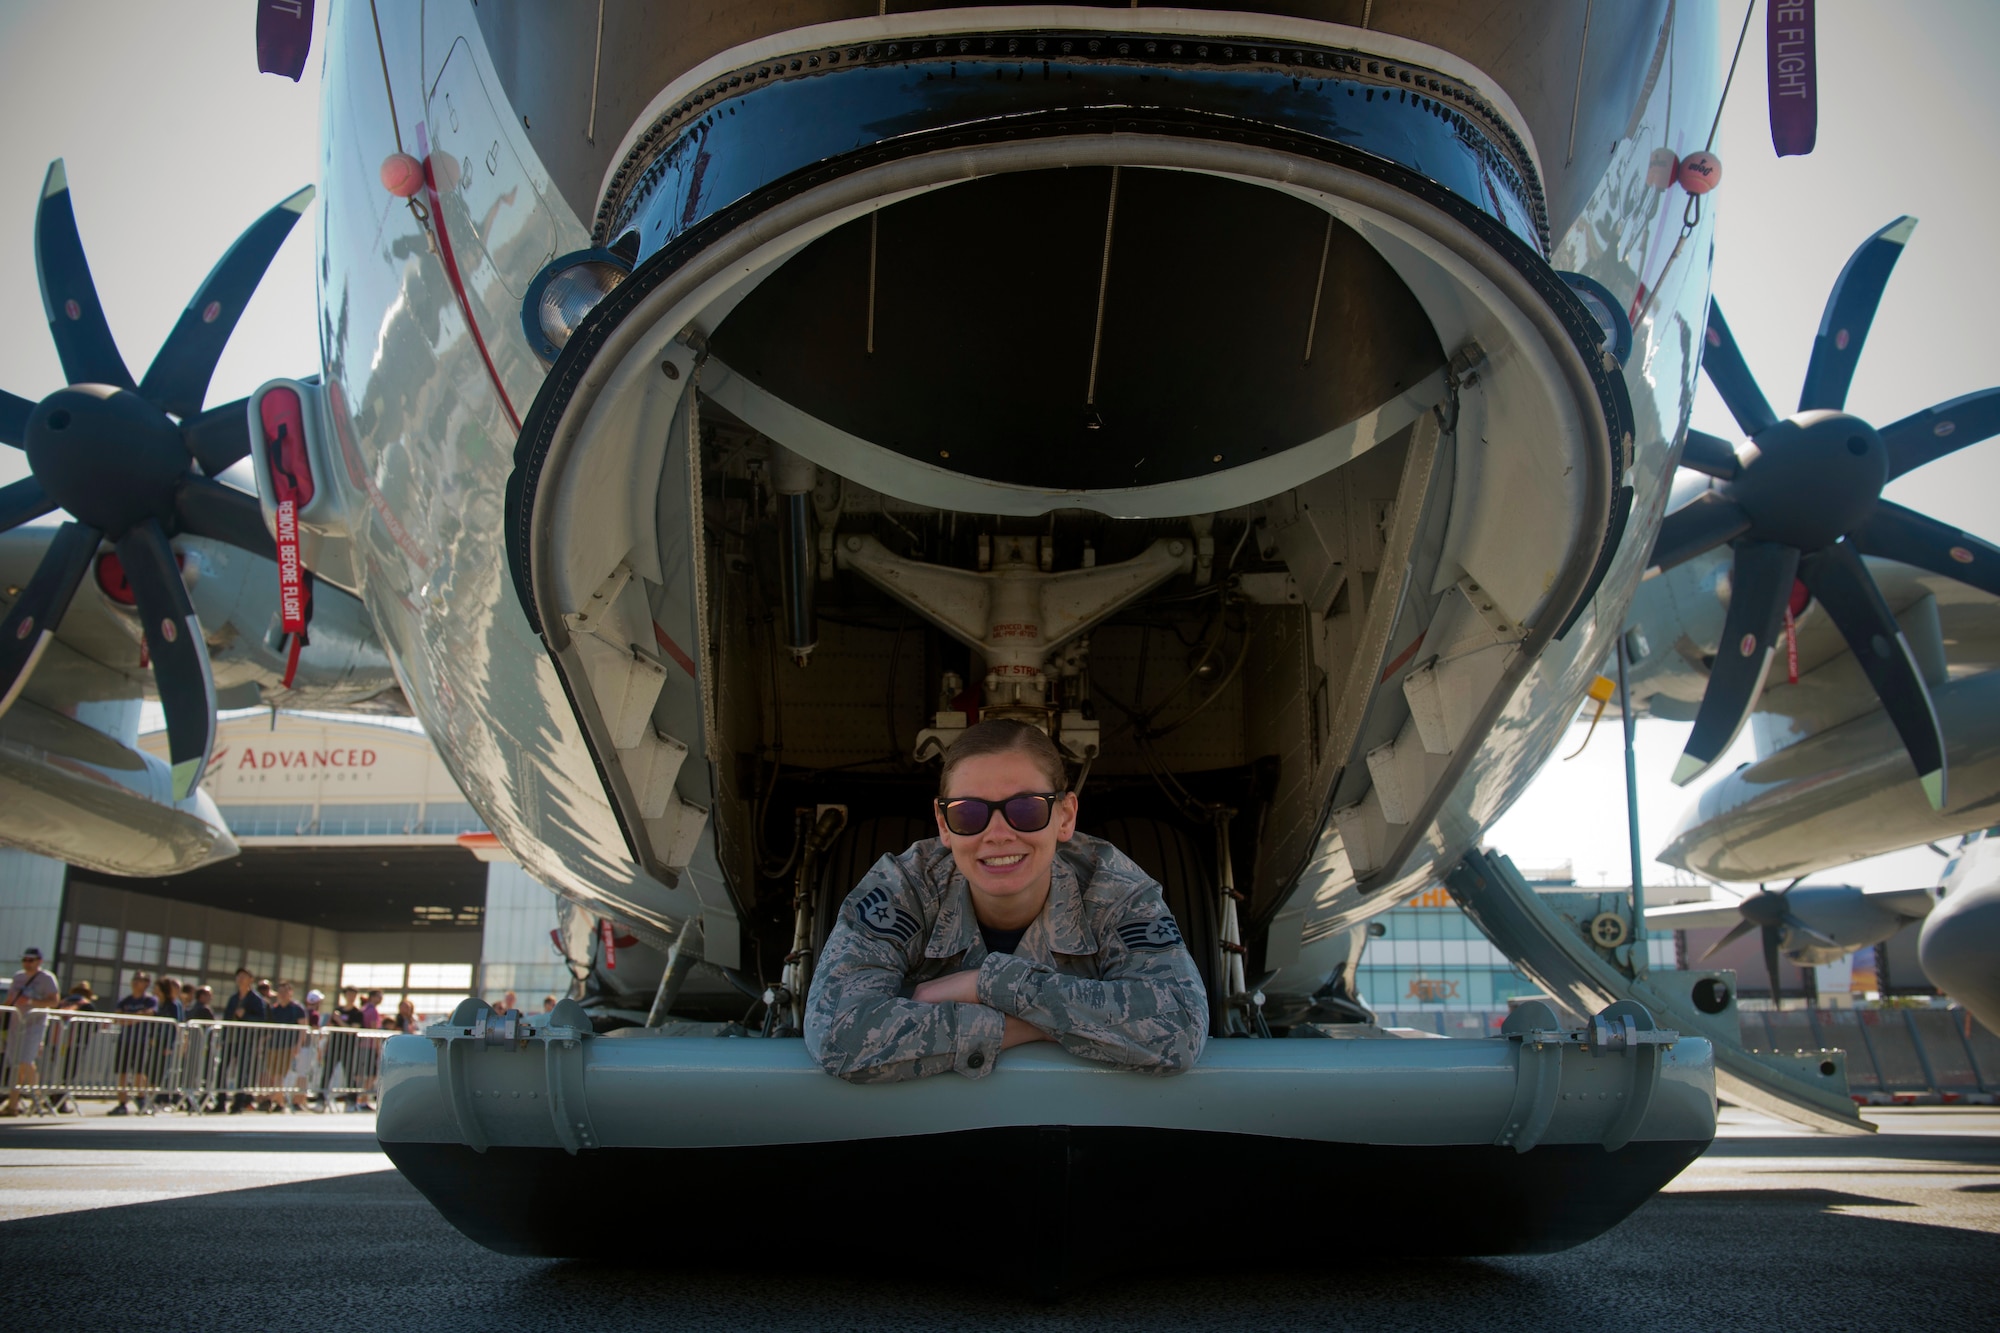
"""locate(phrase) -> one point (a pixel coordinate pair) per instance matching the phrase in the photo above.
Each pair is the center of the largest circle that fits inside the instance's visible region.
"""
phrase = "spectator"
(287, 1010)
(508, 1004)
(135, 1047)
(82, 998)
(164, 1041)
(284, 1046)
(300, 1079)
(202, 1010)
(245, 1006)
(350, 1007)
(32, 994)
(238, 1056)
(406, 1017)
(548, 1004)
(314, 1019)
(367, 1054)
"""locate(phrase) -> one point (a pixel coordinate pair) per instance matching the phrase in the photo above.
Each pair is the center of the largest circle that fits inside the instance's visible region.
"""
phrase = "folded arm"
(1147, 1010)
(860, 1028)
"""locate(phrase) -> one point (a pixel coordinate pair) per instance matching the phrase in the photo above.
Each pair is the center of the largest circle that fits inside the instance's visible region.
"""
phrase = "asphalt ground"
(298, 1223)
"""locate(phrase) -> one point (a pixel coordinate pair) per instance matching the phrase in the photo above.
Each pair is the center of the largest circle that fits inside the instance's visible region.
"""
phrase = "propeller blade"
(1736, 932)
(23, 502)
(1760, 585)
(1926, 436)
(180, 657)
(1840, 583)
(1709, 520)
(14, 412)
(1710, 455)
(177, 381)
(31, 622)
(1730, 374)
(1850, 309)
(76, 318)
(219, 437)
(1896, 533)
(208, 508)
(1771, 934)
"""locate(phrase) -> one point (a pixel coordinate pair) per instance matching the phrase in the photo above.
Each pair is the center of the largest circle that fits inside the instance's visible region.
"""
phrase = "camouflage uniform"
(1102, 970)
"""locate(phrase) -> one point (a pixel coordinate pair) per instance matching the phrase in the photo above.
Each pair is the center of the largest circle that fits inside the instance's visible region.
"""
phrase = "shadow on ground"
(366, 1251)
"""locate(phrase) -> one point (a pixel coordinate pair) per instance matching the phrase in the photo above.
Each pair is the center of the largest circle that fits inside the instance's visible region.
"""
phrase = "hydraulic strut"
(797, 553)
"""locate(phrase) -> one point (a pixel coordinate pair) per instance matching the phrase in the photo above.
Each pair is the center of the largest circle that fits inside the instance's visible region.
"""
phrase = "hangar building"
(362, 864)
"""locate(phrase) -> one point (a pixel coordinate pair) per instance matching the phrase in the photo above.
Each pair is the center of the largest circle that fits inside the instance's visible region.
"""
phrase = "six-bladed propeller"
(1771, 913)
(121, 459)
(1800, 504)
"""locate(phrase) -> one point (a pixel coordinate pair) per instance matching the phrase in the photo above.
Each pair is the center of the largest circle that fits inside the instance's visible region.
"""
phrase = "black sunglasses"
(1027, 812)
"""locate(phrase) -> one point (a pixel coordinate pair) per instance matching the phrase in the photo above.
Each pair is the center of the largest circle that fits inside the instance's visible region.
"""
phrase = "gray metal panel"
(705, 1092)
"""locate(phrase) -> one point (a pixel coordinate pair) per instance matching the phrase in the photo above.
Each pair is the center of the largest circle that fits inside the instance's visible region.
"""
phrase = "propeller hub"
(1764, 908)
(1811, 478)
(106, 455)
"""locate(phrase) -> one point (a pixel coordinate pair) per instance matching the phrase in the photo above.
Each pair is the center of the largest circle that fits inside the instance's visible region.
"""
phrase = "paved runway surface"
(297, 1223)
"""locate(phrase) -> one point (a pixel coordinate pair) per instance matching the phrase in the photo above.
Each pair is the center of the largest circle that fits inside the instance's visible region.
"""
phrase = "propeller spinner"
(1801, 503)
(1772, 914)
(121, 459)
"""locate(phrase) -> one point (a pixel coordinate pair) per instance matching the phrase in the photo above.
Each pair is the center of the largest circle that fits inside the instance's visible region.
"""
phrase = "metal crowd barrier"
(1892, 1054)
(59, 1057)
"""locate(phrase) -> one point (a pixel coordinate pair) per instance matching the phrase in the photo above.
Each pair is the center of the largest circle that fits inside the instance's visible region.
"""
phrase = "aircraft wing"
(1694, 916)
(1912, 903)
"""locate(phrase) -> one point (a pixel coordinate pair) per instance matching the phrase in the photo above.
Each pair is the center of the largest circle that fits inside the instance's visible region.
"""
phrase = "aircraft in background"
(1956, 948)
(1858, 639)
(1809, 924)
(164, 584)
(720, 413)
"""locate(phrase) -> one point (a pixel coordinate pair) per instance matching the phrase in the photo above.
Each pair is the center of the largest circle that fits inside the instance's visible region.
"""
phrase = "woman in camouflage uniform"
(1008, 927)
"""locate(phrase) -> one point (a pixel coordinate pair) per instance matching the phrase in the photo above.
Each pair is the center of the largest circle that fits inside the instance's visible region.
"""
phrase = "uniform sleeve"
(858, 1027)
(1146, 1011)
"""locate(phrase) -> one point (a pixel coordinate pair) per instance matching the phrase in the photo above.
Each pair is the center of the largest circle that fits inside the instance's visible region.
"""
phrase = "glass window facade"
(96, 941)
(368, 820)
(1431, 959)
(441, 976)
(141, 947)
(451, 817)
(373, 976)
(268, 821)
(330, 820)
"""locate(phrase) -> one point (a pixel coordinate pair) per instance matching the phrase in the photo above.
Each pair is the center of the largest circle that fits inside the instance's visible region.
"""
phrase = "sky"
(174, 143)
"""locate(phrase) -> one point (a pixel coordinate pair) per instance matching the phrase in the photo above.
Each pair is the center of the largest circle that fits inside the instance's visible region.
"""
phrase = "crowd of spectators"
(289, 1063)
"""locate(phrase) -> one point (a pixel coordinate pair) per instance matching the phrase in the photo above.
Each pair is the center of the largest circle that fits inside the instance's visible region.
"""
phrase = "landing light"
(565, 292)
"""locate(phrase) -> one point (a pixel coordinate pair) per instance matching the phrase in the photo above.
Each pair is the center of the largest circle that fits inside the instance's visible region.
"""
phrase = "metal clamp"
(1628, 1026)
(474, 1026)
(1625, 1028)
(1535, 1026)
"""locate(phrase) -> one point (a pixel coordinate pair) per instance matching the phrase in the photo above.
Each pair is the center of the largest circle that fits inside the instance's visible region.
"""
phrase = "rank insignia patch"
(882, 917)
(1158, 933)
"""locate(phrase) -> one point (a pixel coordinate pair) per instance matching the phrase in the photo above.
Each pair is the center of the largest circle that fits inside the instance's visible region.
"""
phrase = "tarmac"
(299, 1223)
